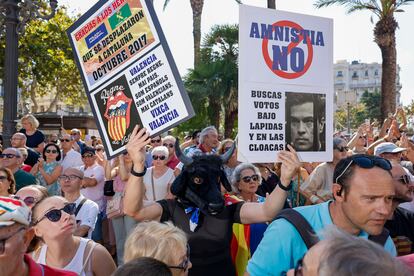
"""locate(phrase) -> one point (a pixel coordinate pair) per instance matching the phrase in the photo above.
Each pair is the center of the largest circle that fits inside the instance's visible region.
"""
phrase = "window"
(42, 108)
(355, 75)
(366, 73)
(339, 74)
(376, 72)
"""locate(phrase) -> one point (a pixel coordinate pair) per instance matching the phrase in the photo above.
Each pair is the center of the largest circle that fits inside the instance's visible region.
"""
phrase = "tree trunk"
(229, 120)
(214, 107)
(197, 7)
(32, 92)
(54, 101)
(384, 33)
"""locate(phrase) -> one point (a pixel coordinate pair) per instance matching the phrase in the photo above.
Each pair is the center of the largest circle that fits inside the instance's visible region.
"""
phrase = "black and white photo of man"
(305, 121)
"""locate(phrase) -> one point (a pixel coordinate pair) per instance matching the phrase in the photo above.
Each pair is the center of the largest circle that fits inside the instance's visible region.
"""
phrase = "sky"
(353, 33)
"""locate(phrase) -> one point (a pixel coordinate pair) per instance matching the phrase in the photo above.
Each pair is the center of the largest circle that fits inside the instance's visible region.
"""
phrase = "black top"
(35, 139)
(402, 224)
(32, 157)
(210, 242)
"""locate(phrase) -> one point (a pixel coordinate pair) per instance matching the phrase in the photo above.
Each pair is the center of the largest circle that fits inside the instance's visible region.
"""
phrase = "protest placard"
(128, 71)
(285, 85)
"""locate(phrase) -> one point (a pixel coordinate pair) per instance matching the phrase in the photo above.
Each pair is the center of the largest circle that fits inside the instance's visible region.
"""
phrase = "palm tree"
(384, 36)
(197, 8)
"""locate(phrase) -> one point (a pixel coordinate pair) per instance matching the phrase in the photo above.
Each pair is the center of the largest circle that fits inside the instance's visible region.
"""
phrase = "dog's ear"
(179, 184)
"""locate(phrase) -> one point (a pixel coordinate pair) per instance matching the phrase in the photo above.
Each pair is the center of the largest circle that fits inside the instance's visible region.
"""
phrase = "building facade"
(351, 80)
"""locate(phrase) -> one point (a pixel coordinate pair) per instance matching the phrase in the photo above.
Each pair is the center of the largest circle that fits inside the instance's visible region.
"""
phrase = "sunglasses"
(7, 155)
(68, 177)
(184, 264)
(99, 149)
(29, 200)
(404, 179)
(299, 268)
(3, 241)
(342, 149)
(168, 145)
(156, 157)
(87, 155)
(51, 151)
(366, 162)
(55, 215)
(247, 179)
(155, 141)
(65, 140)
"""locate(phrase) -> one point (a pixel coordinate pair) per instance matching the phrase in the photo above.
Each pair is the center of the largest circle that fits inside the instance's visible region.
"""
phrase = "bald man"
(18, 140)
(86, 211)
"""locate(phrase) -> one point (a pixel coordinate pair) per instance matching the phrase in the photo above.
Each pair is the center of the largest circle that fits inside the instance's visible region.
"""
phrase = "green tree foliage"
(357, 117)
(212, 85)
(372, 102)
(46, 64)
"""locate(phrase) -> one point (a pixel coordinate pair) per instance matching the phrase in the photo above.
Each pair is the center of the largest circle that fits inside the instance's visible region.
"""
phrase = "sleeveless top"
(54, 188)
(76, 264)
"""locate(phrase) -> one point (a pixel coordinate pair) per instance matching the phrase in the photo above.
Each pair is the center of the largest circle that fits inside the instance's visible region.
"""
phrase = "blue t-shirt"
(282, 245)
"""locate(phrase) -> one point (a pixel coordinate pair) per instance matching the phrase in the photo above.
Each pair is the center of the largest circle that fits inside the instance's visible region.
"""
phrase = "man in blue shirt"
(363, 191)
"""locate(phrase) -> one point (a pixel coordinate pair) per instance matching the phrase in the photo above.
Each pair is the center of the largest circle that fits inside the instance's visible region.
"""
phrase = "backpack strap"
(79, 206)
(380, 239)
(305, 230)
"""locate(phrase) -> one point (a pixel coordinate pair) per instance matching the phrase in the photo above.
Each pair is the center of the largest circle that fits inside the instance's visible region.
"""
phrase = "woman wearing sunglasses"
(159, 177)
(161, 241)
(54, 222)
(47, 169)
(246, 179)
(7, 182)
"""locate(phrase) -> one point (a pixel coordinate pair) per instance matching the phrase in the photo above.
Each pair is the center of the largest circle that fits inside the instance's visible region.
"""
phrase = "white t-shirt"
(73, 159)
(87, 214)
(160, 184)
(95, 193)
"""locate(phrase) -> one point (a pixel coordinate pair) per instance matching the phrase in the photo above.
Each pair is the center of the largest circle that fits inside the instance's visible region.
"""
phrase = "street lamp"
(14, 15)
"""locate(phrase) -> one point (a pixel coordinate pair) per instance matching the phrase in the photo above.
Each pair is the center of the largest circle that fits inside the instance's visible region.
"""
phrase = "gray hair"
(16, 151)
(169, 137)
(236, 176)
(337, 141)
(345, 255)
(31, 119)
(160, 149)
(21, 135)
(206, 131)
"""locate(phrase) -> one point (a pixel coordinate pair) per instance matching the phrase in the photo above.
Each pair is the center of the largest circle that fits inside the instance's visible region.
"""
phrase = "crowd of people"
(165, 208)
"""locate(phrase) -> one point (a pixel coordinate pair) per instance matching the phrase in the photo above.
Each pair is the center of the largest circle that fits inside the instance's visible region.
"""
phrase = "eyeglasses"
(51, 151)
(155, 141)
(366, 162)
(342, 149)
(3, 241)
(7, 155)
(247, 179)
(404, 179)
(54, 215)
(99, 149)
(29, 200)
(68, 177)
(65, 140)
(87, 155)
(156, 157)
(299, 268)
(168, 145)
(184, 264)
(3, 177)
(74, 134)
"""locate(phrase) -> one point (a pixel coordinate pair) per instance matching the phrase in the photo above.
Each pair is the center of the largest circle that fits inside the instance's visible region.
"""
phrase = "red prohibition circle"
(269, 61)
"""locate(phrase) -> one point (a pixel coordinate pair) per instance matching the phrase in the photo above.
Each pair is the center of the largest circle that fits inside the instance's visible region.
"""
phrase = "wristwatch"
(283, 187)
(138, 174)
